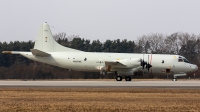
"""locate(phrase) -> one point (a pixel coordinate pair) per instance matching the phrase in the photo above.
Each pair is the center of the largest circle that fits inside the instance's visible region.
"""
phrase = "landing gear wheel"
(119, 78)
(174, 79)
(128, 78)
(104, 73)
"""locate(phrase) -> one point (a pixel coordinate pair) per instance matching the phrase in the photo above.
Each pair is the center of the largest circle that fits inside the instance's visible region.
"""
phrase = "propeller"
(144, 63)
(148, 66)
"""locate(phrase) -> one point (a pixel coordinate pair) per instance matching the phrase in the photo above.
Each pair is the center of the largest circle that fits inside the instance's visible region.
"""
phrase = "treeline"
(19, 67)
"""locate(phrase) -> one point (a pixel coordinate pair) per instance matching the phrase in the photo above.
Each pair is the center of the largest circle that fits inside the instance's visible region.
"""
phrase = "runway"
(101, 84)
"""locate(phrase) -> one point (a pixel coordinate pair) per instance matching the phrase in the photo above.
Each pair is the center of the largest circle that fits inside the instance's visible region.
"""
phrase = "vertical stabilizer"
(45, 41)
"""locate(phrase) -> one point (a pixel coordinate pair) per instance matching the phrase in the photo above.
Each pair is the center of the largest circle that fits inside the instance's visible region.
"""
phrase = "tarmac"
(101, 84)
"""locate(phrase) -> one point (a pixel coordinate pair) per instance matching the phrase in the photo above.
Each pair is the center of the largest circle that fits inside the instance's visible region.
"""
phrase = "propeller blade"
(143, 63)
(148, 66)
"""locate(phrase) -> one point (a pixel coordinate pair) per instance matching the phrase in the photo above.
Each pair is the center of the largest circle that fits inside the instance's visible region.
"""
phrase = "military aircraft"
(47, 50)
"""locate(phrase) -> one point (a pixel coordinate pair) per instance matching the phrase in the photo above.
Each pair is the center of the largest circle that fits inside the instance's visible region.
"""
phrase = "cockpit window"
(183, 59)
(180, 60)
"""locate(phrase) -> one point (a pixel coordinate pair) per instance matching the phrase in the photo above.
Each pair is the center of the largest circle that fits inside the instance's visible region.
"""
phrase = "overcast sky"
(98, 19)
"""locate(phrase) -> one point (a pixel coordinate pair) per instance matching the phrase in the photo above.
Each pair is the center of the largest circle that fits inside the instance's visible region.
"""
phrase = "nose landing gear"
(174, 79)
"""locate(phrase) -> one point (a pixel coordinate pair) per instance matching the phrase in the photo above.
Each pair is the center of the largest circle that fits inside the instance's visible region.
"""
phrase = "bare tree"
(60, 36)
(185, 37)
(156, 42)
(140, 44)
(172, 44)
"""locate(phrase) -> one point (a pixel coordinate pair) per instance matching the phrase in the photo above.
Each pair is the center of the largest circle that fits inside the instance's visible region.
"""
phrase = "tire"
(128, 78)
(174, 79)
(104, 73)
(119, 78)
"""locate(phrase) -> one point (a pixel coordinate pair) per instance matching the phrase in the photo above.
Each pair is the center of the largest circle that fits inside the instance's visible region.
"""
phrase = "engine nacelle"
(126, 72)
(130, 63)
(129, 72)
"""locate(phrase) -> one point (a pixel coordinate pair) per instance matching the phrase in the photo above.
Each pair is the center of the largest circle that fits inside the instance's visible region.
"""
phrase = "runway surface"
(101, 84)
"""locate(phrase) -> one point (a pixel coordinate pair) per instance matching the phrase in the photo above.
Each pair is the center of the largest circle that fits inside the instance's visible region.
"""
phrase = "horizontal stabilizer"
(39, 53)
(7, 52)
(10, 52)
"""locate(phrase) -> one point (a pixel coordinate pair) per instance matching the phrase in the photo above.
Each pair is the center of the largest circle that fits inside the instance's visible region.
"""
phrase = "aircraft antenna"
(148, 64)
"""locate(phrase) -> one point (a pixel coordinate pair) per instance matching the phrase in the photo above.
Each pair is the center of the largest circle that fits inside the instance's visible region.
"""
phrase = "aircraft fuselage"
(93, 61)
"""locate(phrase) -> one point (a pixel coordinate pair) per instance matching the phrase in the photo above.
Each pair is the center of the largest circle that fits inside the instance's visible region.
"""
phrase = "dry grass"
(99, 99)
(197, 79)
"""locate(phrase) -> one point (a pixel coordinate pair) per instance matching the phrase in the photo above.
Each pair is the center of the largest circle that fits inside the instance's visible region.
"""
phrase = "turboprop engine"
(130, 63)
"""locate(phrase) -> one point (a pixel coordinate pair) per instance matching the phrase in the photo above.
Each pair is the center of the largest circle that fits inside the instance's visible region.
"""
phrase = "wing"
(122, 64)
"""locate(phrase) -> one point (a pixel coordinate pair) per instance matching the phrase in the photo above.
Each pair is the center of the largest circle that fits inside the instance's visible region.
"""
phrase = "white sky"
(98, 19)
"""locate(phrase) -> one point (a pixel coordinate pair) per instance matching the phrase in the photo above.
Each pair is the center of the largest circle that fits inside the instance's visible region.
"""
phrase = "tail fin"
(45, 42)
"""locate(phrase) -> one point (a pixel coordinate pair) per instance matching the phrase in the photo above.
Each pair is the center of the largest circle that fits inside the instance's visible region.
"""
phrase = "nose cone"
(195, 67)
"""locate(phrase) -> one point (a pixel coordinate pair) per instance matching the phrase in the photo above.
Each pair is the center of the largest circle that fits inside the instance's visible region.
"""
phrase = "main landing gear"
(119, 78)
(128, 78)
